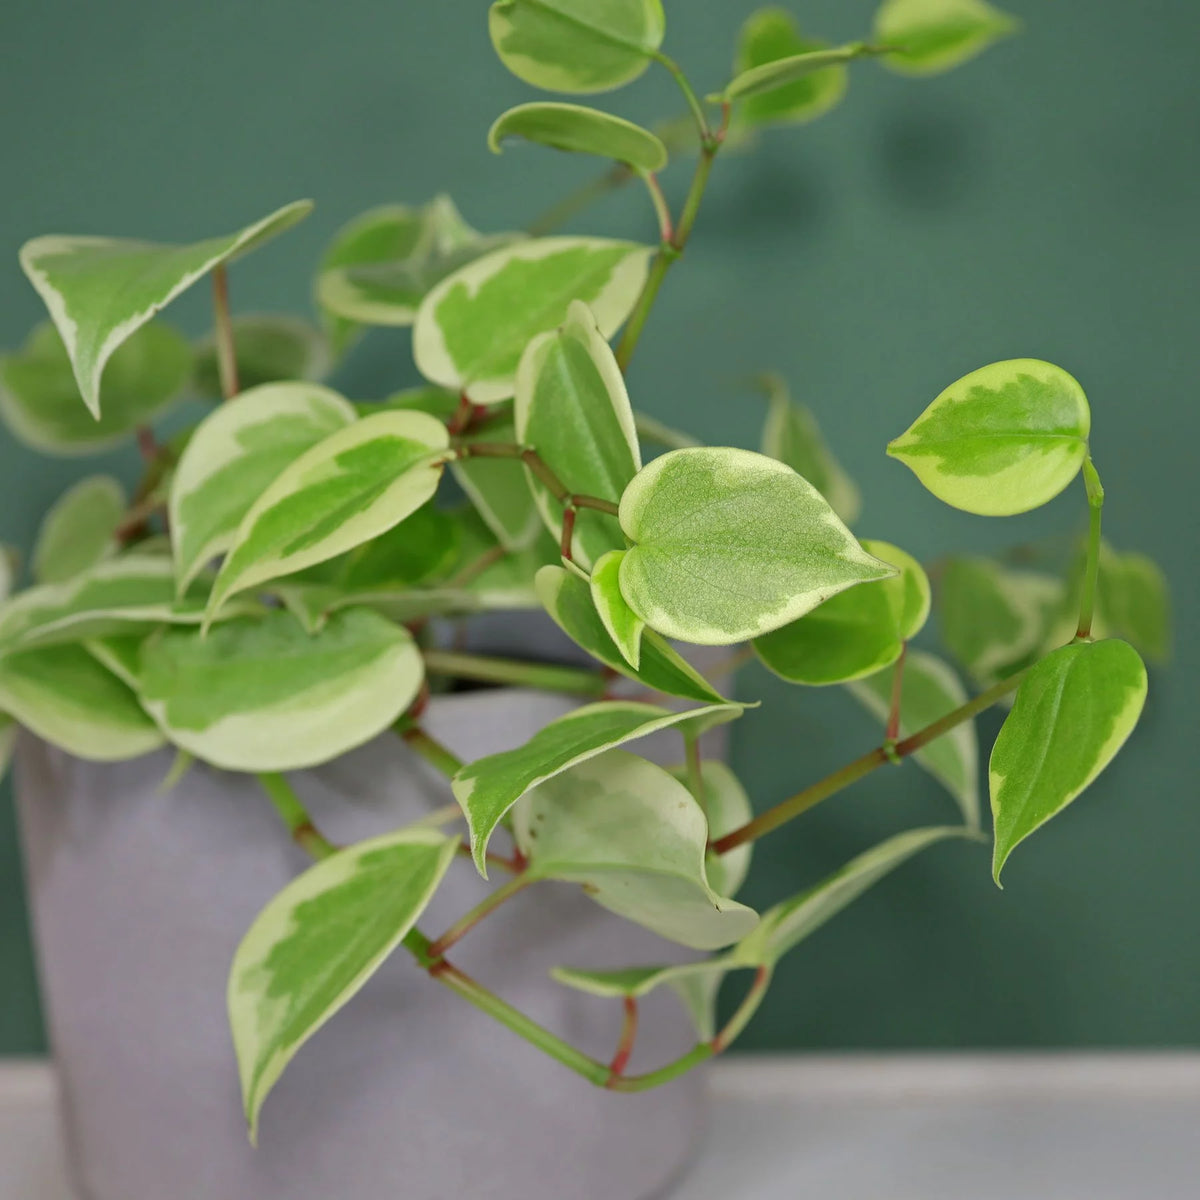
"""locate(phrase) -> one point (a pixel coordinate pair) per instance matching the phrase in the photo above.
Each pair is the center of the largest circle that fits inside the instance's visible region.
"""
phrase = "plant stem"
(431, 750)
(625, 1043)
(653, 1079)
(1091, 571)
(672, 248)
(811, 796)
(489, 558)
(560, 213)
(295, 816)
(574, 680)
(689, 94)
(745, 1011)
(488, 905)
(223, 333)
(662, 210)
(892, 731)
(540, 468)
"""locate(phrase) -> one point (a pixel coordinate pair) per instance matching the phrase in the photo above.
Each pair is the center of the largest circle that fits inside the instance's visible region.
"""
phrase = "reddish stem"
(625, 1044)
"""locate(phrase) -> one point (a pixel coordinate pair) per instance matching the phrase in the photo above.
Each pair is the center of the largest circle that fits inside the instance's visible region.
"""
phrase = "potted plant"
(290, 604)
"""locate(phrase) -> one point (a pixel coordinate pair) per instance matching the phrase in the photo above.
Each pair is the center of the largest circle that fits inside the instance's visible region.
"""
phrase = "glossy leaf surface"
(1002, 440)
(1073, 712)
(580, 130)
(573, 409)
(635, 838)
(472, 329)
(934, 35)
(624, 626)
(317, 942)
(236, 453)
(577, 46)
(488, 788)
(99, 290)
(262, 694)
(729, 545)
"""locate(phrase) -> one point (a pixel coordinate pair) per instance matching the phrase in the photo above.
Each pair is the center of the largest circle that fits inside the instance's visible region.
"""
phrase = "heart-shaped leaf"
(787, 924)
(792, 436)
(350, 487)
(235, 454)
(319, 941)
(1002, 440)
(930, 691)
(383, 264)
(727, 807)
(261, 694)
(769, 37)
(268, 347)
(111, 597)
(856, 632)
(577, 45)
(473, 327)
(569, 601)
(930, 36)
(1073, 712)
(69, 699)
(635, 838)
(488, 788)
(77, 532)
(731, 544)
(580, 130)
(99, 291)
(994, 620)
(624, 626)
(39, 397)
(573, 409)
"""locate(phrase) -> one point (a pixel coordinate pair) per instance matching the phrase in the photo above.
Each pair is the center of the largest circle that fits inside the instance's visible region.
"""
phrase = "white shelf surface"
(856, 1127)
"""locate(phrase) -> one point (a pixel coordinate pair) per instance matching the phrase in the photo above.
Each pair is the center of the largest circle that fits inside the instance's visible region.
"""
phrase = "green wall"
(1042, 201)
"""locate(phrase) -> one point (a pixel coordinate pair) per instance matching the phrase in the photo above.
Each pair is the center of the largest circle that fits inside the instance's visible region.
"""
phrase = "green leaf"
(931, 36)
(382, 265)
(731, 544)
(580, 130)
(930, 691)
(1072, 714)
(577, 45)
(992, 618)
(110, 597)
(350, 487)
(78, 530)
(623, 625)
(488, 788)
(235, 454)
(787, 924)
(569, 602)
(771, 36)
(726, 807)
(39, 398)
(1133, 601)
(264, 695)
(99, 291)
(317, 942)
(573, 409)
(696, 984)
(268, 347)
(422, 547)
(498, 489)
(66, 697)
(1002, 440)
(635, 838)
(792, 436)
(472, 329)
(120, 653)
(855, 633)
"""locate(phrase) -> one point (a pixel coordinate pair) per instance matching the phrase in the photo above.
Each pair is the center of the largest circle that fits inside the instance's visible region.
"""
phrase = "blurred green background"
(1041, 201)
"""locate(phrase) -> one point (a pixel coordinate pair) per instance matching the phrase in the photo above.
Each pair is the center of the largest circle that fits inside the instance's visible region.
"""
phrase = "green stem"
(745, 1011)
(892, 732)
(689, 94)
(295, 816)
(1091, 571)
(223, 333)
(488, 905)
(432, 751)
(574, 203)
(653, 1079)
(574, 680)
(671, 249)
(811, 796)
(662, 210)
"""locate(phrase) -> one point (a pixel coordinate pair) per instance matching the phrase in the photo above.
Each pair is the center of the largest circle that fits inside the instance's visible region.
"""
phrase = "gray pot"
(139, 899)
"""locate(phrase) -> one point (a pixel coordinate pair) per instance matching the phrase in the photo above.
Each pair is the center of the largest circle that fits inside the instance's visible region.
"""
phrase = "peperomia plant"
(275, 591)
